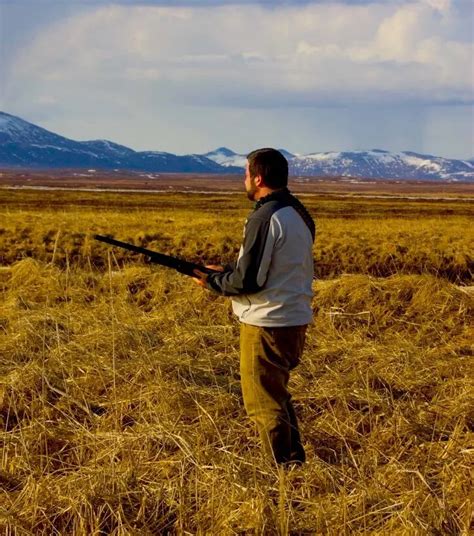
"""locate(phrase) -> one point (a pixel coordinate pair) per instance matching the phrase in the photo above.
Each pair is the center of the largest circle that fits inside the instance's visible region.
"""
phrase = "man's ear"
(259, 181)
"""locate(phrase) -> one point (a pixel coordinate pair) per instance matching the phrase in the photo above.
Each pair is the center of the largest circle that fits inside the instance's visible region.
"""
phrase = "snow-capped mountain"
(286, 154)
(23, 144)
(98, 146)
(227, 158)
(16, 130)
(382, 164)
(374, 164)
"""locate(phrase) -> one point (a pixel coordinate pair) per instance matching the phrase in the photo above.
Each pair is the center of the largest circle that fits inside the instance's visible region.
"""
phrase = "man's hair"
(271, 165)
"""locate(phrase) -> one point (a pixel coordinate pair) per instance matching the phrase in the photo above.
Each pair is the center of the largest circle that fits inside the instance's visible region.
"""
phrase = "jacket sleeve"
(250, 271)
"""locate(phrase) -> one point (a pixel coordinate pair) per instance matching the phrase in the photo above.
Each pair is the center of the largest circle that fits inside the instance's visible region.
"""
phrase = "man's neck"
(263, 192)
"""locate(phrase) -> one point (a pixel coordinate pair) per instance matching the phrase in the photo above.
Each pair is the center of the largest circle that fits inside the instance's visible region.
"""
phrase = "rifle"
(181, 266)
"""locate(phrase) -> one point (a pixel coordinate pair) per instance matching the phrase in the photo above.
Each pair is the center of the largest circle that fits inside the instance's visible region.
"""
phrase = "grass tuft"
(121, 405)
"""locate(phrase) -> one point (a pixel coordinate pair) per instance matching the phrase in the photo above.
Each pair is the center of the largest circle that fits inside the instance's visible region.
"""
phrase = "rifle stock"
(181, 266)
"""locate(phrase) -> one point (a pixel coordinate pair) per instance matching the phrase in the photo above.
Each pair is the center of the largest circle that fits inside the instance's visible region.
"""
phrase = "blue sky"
(188, 76)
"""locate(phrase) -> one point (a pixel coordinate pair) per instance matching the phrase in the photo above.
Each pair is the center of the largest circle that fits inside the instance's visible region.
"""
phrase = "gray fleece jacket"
(270, 284)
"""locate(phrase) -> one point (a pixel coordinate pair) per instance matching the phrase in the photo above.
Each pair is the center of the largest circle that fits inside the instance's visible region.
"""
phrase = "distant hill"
(378, 163)
(25, 145)
(374, 164)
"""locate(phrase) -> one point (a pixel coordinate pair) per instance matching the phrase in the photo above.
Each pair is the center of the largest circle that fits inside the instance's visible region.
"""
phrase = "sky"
(190, 76)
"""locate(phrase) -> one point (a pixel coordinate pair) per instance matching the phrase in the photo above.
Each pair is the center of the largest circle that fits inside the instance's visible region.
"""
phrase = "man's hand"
(201, 278)
(215, 267)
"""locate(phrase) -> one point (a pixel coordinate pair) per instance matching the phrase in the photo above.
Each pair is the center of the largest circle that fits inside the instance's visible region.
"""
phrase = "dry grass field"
(120, 398)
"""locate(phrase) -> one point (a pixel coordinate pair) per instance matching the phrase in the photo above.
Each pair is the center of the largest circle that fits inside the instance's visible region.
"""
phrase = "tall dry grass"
(121, 404)
(376, 237)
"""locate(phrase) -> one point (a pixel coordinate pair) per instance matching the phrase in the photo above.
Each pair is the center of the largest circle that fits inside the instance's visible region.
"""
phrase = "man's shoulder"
(266, 211)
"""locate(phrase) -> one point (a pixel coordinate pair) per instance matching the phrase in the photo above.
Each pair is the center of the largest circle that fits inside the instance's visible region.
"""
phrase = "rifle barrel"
(182, 266)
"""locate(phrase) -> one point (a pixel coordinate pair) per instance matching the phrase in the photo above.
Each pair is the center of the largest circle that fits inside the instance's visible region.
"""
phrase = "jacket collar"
(274, 196)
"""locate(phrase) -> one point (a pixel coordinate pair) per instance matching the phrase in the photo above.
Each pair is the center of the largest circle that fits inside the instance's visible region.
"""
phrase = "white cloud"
(306, 54)
(163, 62)
(440, 5)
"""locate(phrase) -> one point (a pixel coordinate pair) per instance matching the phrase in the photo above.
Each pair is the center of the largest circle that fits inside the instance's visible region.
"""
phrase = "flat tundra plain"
(120, 399)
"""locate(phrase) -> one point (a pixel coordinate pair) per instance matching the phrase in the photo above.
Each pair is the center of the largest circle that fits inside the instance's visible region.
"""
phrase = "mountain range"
(25, 145)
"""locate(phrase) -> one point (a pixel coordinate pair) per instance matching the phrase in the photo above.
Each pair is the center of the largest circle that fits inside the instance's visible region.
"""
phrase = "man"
(270, 285)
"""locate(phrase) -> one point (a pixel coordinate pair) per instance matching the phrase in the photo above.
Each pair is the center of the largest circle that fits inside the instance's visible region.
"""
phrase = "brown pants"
(266, 357)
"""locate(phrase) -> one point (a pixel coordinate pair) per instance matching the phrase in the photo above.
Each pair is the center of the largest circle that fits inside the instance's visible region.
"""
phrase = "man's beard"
(251, 192)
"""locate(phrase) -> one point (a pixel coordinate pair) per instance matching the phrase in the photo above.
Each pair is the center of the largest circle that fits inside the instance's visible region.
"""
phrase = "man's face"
(250, 186)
